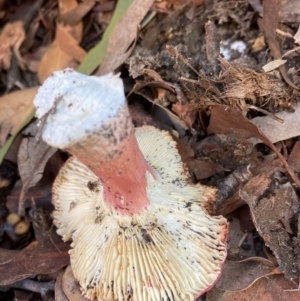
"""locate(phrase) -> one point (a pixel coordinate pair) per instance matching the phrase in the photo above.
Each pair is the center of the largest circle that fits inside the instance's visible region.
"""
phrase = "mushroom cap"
(173, 250)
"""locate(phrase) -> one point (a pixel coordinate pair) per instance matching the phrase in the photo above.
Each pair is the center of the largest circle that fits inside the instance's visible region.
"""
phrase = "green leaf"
(95, 56)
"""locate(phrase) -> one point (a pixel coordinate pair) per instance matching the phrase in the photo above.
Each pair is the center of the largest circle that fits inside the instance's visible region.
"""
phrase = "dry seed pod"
(13, 218)
(22, 228)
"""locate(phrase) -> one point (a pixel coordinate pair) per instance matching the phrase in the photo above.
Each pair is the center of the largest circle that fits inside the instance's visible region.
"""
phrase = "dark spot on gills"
(93, 186)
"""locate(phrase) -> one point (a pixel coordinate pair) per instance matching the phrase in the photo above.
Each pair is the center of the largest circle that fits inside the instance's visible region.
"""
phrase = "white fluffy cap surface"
(77, 104)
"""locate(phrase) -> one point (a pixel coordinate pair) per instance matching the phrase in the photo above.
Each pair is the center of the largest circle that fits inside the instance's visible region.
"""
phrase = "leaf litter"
(196, 69)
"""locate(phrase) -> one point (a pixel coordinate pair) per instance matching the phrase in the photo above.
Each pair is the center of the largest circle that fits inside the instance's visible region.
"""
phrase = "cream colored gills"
(172, 250)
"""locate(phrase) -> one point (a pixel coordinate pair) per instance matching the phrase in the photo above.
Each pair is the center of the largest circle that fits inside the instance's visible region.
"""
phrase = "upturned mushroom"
(140, 228)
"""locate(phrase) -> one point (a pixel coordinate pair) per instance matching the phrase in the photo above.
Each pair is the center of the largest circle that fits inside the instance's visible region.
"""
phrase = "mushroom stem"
(112, 153)
(89, 117)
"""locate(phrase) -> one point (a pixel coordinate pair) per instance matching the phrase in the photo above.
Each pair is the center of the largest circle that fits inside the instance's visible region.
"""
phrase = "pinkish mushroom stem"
(119, 164)
(97, 129)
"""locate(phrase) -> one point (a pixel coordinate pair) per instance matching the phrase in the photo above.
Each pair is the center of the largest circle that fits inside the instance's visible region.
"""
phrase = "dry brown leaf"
(33, 59)
(183, 108)
(75, 15)
(7, 255)
(32, 158)
(276, 131)
(71, 286)
(225, 119)
(41, 192)
(65, 47)
(34, 259)
(54, 59)
(272, 212)
(294, 158)
(238, 275)
(15, 107)
(122, 37)
(202, 169)
(185, 150)
(270, 288)
(11, 38)
(69, 44)
(227, 150)
(168, 6)
(273, 65)
(186, 112)
(142, 117)
(259, 44)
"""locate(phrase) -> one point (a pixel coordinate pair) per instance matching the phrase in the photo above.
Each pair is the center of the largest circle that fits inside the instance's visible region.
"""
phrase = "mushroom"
(140, 228)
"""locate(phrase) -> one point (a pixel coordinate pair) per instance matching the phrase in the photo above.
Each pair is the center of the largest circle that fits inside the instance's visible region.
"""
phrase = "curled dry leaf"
(11, 38)
(140, 117)
(161, 91)
(14, 109)
(164, 113)
(41, 192)
(34, 259)
(184, 109)
(32, 158)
